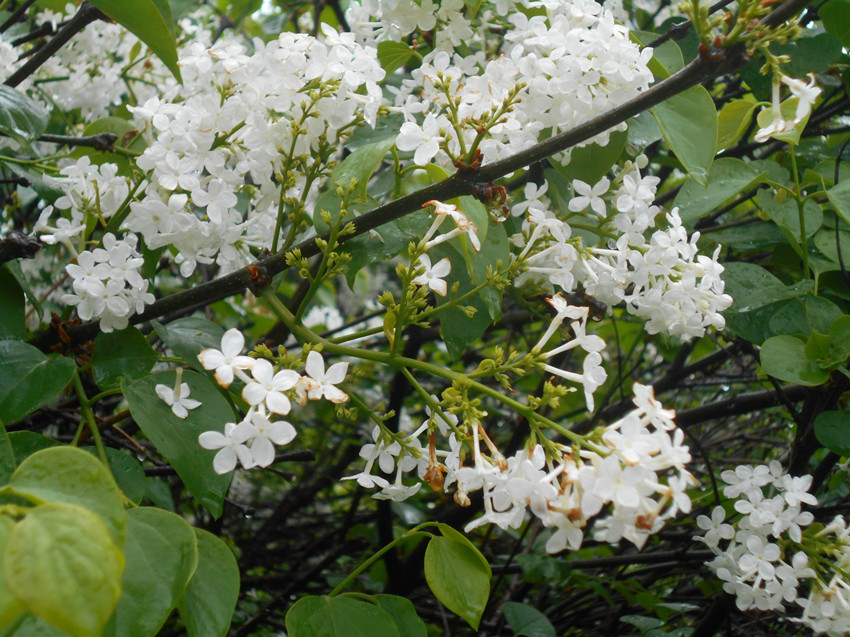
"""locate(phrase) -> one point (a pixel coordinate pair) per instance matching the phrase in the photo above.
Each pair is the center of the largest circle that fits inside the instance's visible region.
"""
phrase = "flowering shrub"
(325, 299)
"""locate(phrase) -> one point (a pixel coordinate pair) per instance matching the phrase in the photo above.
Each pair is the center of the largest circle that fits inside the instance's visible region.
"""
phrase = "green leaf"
(20, 116)
(527, 621)
(144, 19)
(839, 197)
(338, 617)
(210, 599)
(385, 242)
(7, 457)
(123, 354)
(733, 120)
(592, 162)
(643, 131)
(393, 55)
(788, 109)
(753, 287)
(188, 336)
(60, 561)
(161, 554)
(177, 439)
(821, 313)
(15, 266)
(12, 307)
(407, 621)
(29, 379)
(72, 476)
(359, 166)
(26, 443)
(727, 178)
(832, 429)
(688, 122)
(784, 357)
(128, 473)
(456, 328)
(456, 577)
(666, 58)
(787, 216)
(125, 130)
(451, 533)
(835, 15)
(10, 606)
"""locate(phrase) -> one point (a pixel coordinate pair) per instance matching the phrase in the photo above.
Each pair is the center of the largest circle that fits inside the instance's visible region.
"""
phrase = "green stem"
(404, 536)
(88, 416)
(804, 243)
(398, 362)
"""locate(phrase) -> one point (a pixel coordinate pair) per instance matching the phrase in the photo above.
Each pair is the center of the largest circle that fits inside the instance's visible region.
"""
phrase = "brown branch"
(461, 183)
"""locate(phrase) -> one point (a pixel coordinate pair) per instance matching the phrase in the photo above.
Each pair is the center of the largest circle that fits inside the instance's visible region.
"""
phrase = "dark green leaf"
(161, 554)
(835, 15)
(688, 122)
(144, 19)
(592, 162)
(8, 462)
(401, 609)
(12, 307)
(527, 621)
(385, 242)
(338, 617)
(753, 287)
(26, 443)
(821, 313)
(832, 429)
(29, 379)
(210, 599)
(728, 177)
(359, 167)
(188, 336)
(21, 117)
(128, 473)
(839, 197)
(123, 354)
(177, 439)
(784, 357)
(456, 577)
(787, 216)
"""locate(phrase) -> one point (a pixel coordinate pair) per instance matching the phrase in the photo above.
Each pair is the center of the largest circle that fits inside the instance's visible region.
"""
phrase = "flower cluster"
(773, 554)
(282, 111)
(557, 70)
(631, 479)
(663, 280)
(88, 191)
(251, 442)
(106, 283)
(805, 94)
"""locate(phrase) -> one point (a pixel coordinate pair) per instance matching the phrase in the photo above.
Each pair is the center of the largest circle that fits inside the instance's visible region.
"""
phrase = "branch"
(87, 14)
(461, 183)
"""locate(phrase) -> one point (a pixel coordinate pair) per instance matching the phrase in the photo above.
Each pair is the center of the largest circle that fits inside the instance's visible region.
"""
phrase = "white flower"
(179, 402)
(227, 359)
(231, 444)
(590, 197)
(325, 380)
(433, 275)
(266, 434)
(268, 387)
(425, 141)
